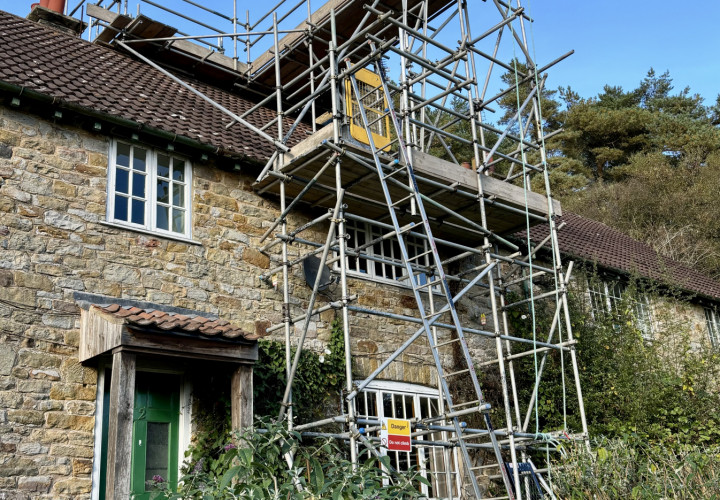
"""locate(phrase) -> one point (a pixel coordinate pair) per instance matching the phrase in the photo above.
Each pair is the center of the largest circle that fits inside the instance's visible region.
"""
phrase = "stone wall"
(54, 243)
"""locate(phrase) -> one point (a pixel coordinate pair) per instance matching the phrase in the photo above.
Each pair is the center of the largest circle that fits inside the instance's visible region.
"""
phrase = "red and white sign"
(395, 434)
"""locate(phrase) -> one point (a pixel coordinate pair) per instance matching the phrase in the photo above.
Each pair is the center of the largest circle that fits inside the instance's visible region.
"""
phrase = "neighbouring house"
(613, 260)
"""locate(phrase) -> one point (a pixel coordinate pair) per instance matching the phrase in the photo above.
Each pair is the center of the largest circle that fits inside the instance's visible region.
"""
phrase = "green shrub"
(256, 469)
(636, 470)
(663, 391)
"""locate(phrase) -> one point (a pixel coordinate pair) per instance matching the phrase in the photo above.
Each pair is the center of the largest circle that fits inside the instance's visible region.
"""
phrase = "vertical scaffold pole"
(342, 242)
(283, 228)
(474, 115)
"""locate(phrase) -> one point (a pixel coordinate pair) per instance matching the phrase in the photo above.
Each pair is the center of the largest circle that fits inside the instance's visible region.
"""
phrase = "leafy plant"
(256, 469)
(317, 383)
(636, 470)
(662, 391)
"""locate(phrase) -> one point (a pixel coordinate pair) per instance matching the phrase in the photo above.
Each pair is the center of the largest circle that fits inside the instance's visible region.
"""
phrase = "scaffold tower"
(384, 114)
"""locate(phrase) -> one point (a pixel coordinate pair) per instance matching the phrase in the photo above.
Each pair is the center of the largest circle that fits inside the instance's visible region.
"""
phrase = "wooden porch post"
(119, 450)
(241, 397)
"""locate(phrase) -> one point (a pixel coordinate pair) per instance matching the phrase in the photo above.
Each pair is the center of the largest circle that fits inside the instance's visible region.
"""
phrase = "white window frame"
(150, 200)
(438, 454)
(712, 323)
(606, 296)
(383, 272)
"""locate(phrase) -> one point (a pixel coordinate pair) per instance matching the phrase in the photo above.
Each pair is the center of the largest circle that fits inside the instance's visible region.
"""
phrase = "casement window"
(149, 190)
(607, 298)
(712, 322)
(437, 464)
(383, 259)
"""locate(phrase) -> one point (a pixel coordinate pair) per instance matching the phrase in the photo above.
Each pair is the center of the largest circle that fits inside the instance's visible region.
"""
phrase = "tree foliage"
(644, 161)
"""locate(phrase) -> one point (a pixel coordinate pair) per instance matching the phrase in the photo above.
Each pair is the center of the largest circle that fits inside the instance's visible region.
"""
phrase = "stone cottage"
(130, 270)
(129, 274)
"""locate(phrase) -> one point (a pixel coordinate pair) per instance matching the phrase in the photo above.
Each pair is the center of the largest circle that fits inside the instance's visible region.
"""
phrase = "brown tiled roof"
(178, 323)
(102, 80)
(593, 241)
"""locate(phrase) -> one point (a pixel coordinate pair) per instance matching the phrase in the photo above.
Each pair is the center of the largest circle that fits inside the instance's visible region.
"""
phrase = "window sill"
(166, 236)
(383, 281)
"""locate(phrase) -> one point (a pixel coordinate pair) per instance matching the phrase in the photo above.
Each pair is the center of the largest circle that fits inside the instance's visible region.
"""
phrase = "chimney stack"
(50, 13)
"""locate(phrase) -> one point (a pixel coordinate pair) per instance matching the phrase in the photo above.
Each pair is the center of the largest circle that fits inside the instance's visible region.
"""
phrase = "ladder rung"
(456, 373)
(468, 403)
(446, 342)
(426, 285)
(484, 467)
(402, 169)
(420, 255)
(402, 200)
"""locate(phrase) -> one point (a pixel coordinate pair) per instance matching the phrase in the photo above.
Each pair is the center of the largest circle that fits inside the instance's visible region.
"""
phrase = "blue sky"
(615, 41)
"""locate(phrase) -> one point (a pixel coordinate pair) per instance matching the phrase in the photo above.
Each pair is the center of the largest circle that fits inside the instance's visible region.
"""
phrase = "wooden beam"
(241, 398)
(119, 450)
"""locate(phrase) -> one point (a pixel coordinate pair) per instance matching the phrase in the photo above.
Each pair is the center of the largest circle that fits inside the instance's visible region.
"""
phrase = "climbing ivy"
(317, 384)
(316, 393)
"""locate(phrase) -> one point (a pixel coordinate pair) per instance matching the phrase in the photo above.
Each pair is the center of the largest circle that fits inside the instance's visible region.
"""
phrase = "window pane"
(123, 155)
(424, 407)
(138, 211)
(121, 208)
(163, 191)
(163, 166)
(379, 270)
(399, 413)
(138, 185)
(360, 404)
(178, 220)
(121, 180)
(387, 405)
(163, 217)
(178, 170)
(156, 454)
(409, 407)
(371, 405)
(139, 155)
(178, 195)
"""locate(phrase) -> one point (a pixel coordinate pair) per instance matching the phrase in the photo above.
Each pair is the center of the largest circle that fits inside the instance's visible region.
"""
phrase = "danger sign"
(395, 434)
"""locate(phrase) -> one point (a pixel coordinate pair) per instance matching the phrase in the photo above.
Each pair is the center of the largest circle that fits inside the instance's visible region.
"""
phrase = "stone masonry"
(54, 243)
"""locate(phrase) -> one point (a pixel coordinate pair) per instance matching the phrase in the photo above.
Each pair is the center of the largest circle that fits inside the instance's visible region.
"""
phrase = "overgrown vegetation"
(663, 390)
(636, 470)
(652, 406)
(255, 468)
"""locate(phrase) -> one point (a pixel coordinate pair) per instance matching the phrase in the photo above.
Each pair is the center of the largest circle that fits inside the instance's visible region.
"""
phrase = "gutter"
(122, 122)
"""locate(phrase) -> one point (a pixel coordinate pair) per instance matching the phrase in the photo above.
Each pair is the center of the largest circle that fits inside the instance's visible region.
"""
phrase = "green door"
(155, 432)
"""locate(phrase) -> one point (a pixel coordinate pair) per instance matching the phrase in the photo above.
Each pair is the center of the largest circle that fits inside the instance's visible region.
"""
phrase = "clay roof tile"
(102, 79)
(593, 241)
(178, 323)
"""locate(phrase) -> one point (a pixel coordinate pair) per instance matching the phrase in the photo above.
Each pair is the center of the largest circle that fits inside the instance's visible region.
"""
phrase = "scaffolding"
(387, 148)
